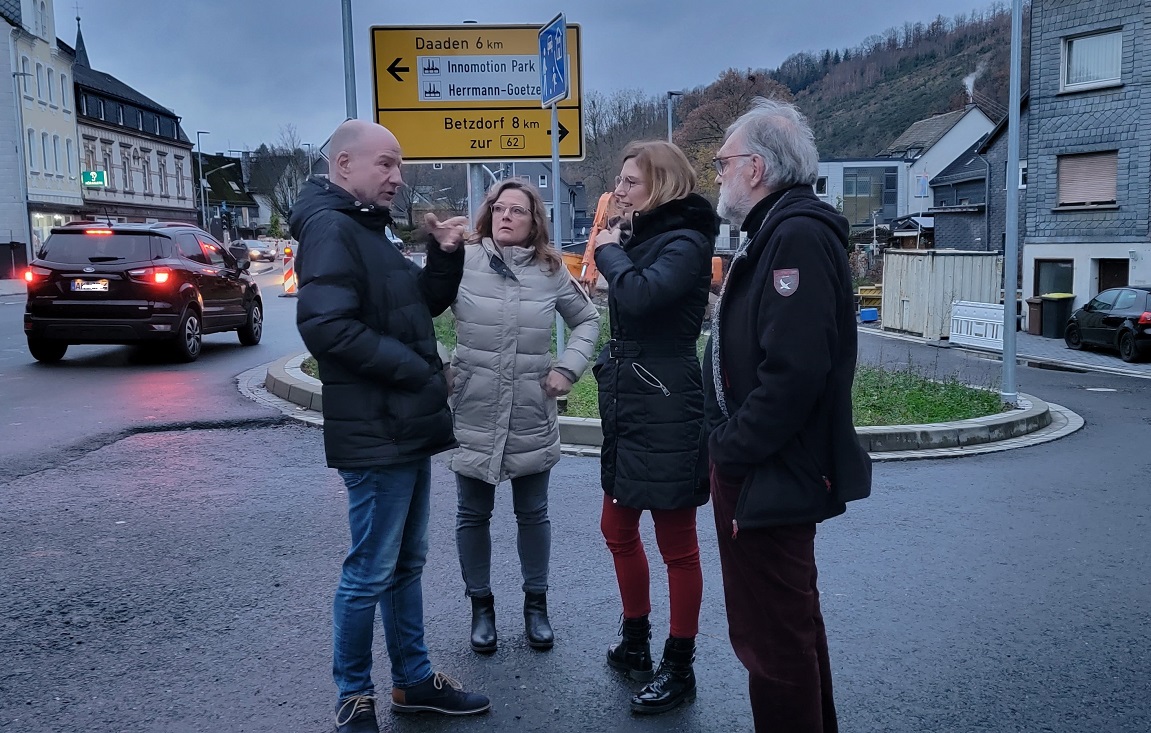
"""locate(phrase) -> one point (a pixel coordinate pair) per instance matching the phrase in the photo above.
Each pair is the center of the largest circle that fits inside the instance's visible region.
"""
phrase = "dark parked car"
(1119, 318)
(166, 284)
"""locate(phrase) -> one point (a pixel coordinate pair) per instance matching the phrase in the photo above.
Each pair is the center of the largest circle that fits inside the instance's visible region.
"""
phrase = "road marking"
(1101, 389)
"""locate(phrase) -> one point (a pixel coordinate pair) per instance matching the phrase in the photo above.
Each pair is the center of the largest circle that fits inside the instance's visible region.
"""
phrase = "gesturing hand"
(556, 384)
(607, 236)
(449, 234)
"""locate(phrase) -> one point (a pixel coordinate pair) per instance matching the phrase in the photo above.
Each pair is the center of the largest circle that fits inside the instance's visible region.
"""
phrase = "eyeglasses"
(720, 162)
(517, 212)
(627, 183)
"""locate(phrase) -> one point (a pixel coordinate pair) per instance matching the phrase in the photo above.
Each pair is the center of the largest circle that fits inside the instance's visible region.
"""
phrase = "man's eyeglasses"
(517, 212)
(626, 183)
(720, 162)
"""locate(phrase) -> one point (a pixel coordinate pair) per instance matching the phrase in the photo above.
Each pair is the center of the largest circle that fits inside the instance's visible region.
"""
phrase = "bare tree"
(278, 171)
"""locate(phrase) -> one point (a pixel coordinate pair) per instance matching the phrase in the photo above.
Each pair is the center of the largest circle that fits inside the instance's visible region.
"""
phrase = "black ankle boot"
(484, 624)
(536, 623)
(674, 682)
(633, 654)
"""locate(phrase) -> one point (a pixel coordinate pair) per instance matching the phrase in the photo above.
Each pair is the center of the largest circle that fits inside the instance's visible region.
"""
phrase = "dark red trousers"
(776, 629)
(679, 546)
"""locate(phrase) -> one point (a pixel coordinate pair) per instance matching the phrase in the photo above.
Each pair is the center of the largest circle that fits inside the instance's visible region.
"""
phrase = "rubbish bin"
(13, 260)
(1056, 311)
(1034, 316)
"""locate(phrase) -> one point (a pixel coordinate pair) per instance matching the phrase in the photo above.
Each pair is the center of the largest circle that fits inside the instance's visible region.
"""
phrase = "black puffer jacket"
(786, 333)
(365, 312)
(650, 382)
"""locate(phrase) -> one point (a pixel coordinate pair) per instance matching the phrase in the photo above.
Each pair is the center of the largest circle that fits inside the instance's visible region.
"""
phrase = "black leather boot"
(536, 623)
(484, 624)
(674, 682)
(633, 654)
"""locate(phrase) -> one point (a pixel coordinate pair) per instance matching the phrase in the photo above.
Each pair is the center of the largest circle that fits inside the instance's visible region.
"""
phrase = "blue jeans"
(388, 508)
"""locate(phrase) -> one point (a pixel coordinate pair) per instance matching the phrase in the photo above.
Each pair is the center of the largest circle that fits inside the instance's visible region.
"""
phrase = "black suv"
(166, 284)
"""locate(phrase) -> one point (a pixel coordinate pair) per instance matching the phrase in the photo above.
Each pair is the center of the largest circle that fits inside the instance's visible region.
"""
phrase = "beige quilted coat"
(504, 423)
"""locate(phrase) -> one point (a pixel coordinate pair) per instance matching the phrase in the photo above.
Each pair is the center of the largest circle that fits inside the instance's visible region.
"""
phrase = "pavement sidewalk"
(13, 288)
(1040, 350)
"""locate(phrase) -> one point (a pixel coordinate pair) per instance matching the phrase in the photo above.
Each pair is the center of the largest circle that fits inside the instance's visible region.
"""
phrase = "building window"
(43, 20)
(25, 66)
(180, 177)
(31, 149)
(162, 172)
(44, 150)
(1088, 179)
(1054, 276)
(56, 152)
(146, 169)
(821, 186)
(1092, 61)
(1022, 175)
(51, 86)
(40, 82)
(543, 181)
(126, 168)
(68, 152)
(64, 91)
(108, 167)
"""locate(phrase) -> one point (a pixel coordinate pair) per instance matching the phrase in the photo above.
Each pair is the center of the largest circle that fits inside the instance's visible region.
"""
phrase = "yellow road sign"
(471, 92)
(482, 134)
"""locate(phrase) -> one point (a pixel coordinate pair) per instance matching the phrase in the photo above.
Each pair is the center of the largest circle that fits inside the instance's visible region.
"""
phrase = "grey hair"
(778, 132)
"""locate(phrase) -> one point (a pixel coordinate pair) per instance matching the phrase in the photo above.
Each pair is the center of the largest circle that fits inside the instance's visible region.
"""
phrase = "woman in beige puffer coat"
(505, 386)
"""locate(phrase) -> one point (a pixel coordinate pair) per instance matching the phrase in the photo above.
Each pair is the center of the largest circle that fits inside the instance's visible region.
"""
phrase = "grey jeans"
(473, 531)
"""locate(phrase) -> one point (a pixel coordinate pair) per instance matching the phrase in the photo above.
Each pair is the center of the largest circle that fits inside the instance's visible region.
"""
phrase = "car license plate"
(90, 286)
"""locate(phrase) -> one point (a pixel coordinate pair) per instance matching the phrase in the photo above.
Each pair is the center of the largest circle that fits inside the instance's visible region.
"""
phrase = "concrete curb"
(287, 381)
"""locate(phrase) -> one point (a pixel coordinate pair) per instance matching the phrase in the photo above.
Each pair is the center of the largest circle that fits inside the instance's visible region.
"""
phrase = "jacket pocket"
(779, 492)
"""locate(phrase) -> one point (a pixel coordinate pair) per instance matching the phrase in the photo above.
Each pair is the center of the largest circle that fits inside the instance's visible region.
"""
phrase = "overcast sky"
(241, 69)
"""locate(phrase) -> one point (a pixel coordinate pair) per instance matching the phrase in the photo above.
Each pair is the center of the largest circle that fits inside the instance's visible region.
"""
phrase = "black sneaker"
(439, 694)
(357, 714)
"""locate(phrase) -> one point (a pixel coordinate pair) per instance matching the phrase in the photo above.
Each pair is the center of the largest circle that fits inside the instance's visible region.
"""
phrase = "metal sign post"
(1009, 392)
(554, 87)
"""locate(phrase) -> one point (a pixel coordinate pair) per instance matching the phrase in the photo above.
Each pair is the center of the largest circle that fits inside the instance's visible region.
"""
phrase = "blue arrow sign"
(554, 77)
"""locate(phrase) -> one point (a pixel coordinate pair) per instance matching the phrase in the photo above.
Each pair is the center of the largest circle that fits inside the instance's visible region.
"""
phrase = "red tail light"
(98, 232)
(35, 274)
(151, 275)
(1145, 319)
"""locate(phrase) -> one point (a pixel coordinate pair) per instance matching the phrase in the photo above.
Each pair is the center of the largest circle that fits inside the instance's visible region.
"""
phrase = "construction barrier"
(289, 273)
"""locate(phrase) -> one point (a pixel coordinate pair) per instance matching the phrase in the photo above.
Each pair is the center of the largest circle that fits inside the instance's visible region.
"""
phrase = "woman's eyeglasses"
(626, 183)
(517, 212)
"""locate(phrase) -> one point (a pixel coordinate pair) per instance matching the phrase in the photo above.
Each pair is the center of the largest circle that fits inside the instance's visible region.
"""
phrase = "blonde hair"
(668, 173)
(538, 238)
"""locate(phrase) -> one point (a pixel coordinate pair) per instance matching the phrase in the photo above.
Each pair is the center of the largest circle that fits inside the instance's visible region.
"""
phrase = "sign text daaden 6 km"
(472, 92)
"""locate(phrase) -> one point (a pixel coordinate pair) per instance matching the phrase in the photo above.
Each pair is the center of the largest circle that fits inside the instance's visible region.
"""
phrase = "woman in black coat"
(657, 262)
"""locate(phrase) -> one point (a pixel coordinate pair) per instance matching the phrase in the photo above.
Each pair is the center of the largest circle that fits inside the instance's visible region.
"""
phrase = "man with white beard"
(784, 453)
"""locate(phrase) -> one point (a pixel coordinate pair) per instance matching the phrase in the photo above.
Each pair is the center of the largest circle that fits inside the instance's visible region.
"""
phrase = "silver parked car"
(257, 250)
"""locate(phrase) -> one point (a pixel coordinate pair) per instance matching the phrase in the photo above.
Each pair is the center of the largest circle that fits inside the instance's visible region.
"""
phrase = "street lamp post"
(349, 61)
(204, 188)
(23, 163)
(203, 179)
(670, 94)
(309, 158)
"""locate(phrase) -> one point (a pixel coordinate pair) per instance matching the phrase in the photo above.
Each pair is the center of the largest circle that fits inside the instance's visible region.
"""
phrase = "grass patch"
(310, 367)
(885, 397)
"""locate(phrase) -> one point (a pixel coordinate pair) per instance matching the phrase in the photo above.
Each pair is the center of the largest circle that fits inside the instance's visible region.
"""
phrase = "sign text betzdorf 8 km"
(459, 93)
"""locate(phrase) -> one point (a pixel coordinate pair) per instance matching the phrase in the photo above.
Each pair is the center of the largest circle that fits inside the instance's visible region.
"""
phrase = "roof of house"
(967, 167)
(924, 134)
(107, 85)
(225, 180)
(1001, 126)
(10, 11)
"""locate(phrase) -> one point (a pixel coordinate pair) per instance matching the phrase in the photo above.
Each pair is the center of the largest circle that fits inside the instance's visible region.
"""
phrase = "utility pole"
(349, 62)
(670, 122)
(203, 180)
(20, 153)
(1009, 392)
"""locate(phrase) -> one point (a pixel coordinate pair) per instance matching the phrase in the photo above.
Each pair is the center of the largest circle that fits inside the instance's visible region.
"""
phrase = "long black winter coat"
(786, 335)
(365, 313)
(650, 381)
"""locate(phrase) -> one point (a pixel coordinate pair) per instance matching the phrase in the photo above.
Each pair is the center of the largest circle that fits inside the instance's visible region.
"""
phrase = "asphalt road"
(182, 580)
(50, 412)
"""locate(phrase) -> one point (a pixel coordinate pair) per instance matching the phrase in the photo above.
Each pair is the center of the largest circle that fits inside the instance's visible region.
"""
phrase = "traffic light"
(226, 219)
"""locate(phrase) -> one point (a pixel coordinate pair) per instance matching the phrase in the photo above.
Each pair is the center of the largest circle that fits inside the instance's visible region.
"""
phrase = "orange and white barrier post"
(289, 272)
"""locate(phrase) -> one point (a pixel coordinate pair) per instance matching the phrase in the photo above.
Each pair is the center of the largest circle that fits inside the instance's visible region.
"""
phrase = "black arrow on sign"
(563, 132)
(393, 69)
